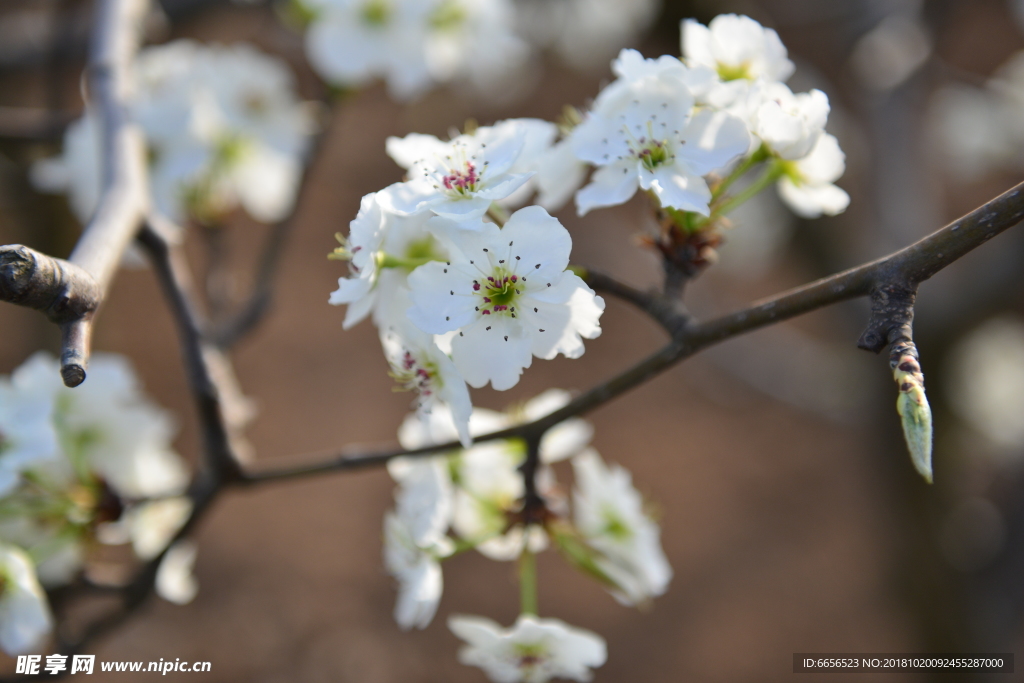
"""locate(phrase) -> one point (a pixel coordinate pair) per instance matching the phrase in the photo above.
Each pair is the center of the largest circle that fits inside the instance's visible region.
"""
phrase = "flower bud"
(912, 405)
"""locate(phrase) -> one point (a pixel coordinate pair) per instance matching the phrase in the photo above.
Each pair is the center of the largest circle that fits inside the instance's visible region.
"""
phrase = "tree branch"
(908, 266)
(33, 277)
(664, 310)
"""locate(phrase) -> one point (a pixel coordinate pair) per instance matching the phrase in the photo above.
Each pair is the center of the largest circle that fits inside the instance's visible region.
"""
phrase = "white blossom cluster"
(223, 130)
(469, 499)
(674, 127)
(77, 467)
(459, 300)
(414, 45)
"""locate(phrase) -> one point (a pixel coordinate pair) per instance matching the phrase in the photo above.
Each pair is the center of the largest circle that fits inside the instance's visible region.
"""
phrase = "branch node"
(892, 316)
(58, 288)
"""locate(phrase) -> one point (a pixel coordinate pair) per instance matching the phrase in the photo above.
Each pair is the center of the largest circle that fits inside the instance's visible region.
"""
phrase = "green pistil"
(652, 157)
(615, 527)
(422, 250)
(728, 72)
(448, 16)
(377, 13)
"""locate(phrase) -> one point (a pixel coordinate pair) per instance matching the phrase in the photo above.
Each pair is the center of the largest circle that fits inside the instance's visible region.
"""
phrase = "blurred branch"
(906, 268)
(85, 278)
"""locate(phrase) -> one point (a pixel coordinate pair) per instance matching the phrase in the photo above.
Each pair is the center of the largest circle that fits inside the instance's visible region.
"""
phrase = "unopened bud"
(912, 405)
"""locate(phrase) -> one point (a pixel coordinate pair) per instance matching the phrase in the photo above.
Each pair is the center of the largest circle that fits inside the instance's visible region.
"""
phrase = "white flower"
(223, 129)
(417, 570)
(457, 179)
(424, 498)
(419, 365)
(644, 133)
(508, 294)
(175, 581)
(559, 174)
(27, 433)
(585, 33)
(24, 612)
(533, 651)
(490, 490)
(473, 41)
(382, 247)
(790, 124)
(807, 185)
(737, 47)
(609, 514)
(565, 439)
(351, 42)
(153, 524)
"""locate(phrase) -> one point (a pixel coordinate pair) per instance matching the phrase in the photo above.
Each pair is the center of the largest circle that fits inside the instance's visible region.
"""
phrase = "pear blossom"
(457, 179)
(609, 514)
(585, 33)
(736, 47)
(175, 581)
(417, 570)
(413, 44)
(25, 619)
(534, 650)
(509, 295)
(490, 491)
(223, 129)
(27, 433)
(424, 498)
(807, 185)
(113, 447)
(351, 42)
(645, 133)
(473, 41)
(419, 365)
(381, 248)
(789, 124)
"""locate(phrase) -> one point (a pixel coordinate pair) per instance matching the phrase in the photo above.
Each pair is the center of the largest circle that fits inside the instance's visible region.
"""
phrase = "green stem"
(528, 581)
(770, 175)
(757, 157)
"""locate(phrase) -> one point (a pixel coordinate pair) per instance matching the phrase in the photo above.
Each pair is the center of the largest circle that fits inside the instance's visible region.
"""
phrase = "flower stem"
(770, 175)
(759, 155)
(528, 582)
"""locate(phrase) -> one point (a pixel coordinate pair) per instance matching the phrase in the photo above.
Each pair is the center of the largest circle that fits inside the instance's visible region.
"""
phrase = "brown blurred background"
(789, 509)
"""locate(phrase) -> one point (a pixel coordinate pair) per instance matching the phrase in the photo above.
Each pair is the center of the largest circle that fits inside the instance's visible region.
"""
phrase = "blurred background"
(789, 509)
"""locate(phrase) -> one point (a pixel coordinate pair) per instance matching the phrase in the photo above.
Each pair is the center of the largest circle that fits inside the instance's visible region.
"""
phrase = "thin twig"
(664, 310)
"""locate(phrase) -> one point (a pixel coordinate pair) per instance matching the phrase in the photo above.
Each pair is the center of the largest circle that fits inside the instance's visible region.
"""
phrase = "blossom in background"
(789, 125)
(414, 44)
(808, 184)
(737, 48)
(508, 294)
(25, 619)
(417, 570)
(585, 33)
(534, 650)
(175, 581)
(457, 179)
(223, 130)
(609, 514)
(644, 133)
(113, 448)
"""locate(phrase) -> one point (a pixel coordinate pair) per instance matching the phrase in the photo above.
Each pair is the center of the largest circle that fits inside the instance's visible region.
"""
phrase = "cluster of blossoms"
(466, 288)
(81, 467)
(223, 130)
(459, 299)
(416, 44)
(473, 499)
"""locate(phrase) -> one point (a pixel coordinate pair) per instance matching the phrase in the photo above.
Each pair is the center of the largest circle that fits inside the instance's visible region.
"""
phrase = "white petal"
(609, 186)
(497, 355)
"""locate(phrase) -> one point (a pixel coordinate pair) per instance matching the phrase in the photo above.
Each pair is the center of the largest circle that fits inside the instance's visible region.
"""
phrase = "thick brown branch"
(909, 266)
